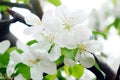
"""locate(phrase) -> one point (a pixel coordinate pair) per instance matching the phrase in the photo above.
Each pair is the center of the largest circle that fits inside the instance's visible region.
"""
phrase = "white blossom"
(4, 45)
(86, 49)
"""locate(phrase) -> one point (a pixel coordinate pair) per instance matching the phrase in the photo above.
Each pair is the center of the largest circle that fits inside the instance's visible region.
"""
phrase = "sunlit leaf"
(4, 58)
(77, 71)
(50, 77)
(60, 60)
(31, 42)
(23, 69)
(100, 33)
(69, 53)
(55, 2)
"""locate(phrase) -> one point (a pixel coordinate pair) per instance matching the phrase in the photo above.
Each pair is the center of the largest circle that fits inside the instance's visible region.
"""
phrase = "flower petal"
(55, 53)
(4, 45)
(86, 59)
(82, 33)
(19, 77)
(48, 66)
(69, 62)
(36, 73)
(63, 13)
(32, 19)
(32, 30)
(51, 22)
(77, 17)
(94, 46)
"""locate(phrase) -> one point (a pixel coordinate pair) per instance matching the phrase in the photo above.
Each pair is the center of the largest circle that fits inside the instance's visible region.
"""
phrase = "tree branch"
(10, 4)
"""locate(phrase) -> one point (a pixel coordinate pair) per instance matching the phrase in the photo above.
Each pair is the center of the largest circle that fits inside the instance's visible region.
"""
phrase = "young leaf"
(23, 69)
(31, 42)
(55, 2)
(69, 53)
(77, 71)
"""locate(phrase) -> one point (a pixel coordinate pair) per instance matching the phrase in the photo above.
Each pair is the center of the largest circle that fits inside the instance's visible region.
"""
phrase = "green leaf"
(100, 33)
(55, 2)
(3, 71)
(59, 75)
(4, 59)
(69, 53)
(23, 69)
(77, 71)
(114, 2)
(24, 1)
(60, 60)
(67, 70)
(31, 42)
(50, 77)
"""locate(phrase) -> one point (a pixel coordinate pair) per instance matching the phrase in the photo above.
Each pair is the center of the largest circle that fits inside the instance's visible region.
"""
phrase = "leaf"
(31, 42)
(23, 69)
(4, 59)
(100, 33)
(55, 2)
(77, 71)
(60, 60)
(59, 75)
(24, 1)
(3, 71)
(69, 53)
(67, 70)
(50, 77)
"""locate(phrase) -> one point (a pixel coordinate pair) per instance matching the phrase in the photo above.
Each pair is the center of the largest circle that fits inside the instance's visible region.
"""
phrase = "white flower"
(72, 31)
(19, 77)
(85, 50)
(4, 45)
(37, 60)
(45, 35)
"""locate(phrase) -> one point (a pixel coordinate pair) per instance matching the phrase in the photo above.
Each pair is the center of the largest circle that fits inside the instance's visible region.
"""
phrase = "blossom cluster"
(59, 33)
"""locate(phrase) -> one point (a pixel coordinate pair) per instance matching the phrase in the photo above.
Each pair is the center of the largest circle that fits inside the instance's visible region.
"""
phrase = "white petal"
(10, 68)
(85, 59)
(15, 56)
(81, 33)
(4, 45)
(55, 53)
(32, 19)
(36, 73)
(65, 39)
(48, 66)
(63, 13)
(19, 77)
(51, 22)
(69, 62)
(77, 17)
(32, 30)
(94, 46)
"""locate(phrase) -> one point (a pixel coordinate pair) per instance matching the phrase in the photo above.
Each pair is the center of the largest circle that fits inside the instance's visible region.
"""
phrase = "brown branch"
(37, 7)
(10, 4)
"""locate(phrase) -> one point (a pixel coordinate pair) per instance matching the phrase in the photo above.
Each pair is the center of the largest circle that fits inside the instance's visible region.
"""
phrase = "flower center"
(33, 62)
(81, 48)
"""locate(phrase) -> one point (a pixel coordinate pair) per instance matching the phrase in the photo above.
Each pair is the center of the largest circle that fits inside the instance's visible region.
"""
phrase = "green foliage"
(3, 70)
(55, 2)
(116, 24)
(76, 71)
(23, 69)
(100, 33)
(50, 77)
(59, 75)
(69, 53)
(60, 60)
(24, 1)
(31, 42)
(4, 59)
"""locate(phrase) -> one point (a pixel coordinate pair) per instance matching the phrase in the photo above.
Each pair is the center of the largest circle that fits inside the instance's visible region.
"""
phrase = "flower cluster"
(59, 33)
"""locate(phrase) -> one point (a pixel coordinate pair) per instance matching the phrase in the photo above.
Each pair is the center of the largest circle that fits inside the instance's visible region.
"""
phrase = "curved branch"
(10, 4)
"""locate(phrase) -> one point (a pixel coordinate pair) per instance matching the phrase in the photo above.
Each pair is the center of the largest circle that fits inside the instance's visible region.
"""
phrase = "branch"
(10, 4)
(110, 75)
(118, 74)
(98, 74)
(37, 7)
